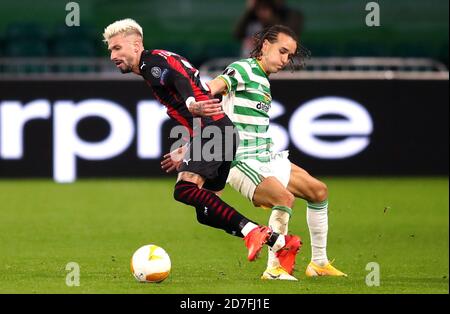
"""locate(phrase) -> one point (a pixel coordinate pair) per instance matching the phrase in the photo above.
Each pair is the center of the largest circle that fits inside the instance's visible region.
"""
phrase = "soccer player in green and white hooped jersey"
(248, 107)
(267, 178)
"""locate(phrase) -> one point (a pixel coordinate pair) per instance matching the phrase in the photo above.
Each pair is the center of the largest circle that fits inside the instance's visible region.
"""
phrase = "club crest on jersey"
(156, 72)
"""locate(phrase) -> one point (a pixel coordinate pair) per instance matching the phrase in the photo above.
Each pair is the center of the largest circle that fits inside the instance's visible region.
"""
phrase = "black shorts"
(211, 152)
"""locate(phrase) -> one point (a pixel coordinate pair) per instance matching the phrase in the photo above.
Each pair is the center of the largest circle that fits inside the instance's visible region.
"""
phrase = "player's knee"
(177, 192)
(320, 192)
(290, 199)
(181, 189)
(285, 198)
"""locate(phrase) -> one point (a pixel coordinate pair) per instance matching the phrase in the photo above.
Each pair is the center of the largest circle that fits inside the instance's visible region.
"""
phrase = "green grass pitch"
(401, 224)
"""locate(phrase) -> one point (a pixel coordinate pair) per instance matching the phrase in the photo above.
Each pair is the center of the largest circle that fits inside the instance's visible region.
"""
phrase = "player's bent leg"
(210, 209)
(267, 192)
(305, 186)
(191, 177)
(270, 192)
(214, 212)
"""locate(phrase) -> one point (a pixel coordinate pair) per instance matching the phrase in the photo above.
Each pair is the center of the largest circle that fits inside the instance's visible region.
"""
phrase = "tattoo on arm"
(197, 109)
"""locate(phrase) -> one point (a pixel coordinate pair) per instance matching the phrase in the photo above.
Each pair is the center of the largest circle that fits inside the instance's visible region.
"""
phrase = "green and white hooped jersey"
(247, 104)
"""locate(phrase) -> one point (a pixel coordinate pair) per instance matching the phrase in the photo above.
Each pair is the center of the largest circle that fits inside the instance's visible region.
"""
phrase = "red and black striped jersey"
(173, 80)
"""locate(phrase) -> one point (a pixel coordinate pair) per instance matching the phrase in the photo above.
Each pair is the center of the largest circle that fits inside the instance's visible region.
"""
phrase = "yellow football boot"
(277, 273)
(314, 270)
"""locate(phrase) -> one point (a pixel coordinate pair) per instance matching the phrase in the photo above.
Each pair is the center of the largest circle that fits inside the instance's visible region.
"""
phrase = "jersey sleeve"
(234, 78)
(158, 72)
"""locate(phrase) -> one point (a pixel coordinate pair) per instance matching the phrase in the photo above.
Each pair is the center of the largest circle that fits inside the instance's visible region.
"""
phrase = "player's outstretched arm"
(205, 108)
(217, 86)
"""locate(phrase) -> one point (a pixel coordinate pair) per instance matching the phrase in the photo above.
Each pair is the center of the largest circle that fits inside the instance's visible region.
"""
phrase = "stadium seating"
(169, 25)
(25, 40)
(74, 42)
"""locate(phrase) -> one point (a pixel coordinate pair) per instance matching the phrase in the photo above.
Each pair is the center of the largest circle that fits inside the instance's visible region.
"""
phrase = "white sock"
(272, 260)
(249, 226)
(278, 222)
(317, 218)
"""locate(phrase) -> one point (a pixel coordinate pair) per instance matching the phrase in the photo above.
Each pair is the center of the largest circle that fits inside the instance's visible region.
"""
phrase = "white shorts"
(247, 174)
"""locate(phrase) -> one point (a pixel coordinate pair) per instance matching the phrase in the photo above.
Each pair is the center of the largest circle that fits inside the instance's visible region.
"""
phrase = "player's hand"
(173, 160)
(206, 108)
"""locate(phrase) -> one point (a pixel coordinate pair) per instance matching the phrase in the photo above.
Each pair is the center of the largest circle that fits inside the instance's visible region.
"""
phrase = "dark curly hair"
(271, 34)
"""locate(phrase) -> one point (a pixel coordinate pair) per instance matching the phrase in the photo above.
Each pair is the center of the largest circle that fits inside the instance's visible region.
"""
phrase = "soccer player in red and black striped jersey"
(176, 84)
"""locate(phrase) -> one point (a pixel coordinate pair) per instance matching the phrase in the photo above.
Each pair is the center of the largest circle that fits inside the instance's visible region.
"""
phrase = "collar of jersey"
(141, 59)
(261, 67)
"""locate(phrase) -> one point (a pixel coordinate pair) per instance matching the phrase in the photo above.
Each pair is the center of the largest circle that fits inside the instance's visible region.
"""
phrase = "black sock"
(211, 210)
(272, 239)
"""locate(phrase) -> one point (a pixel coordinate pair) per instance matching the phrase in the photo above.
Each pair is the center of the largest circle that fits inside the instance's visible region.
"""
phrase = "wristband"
(189, 101)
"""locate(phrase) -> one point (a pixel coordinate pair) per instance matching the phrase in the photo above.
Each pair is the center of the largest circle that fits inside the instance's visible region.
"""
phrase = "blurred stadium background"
(203, 29)
(392, 190)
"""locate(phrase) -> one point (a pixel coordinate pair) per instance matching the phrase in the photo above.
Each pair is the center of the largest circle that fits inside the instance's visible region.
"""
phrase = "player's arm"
(225, 83)
(218, 86)
(203, 108)
(160, 73)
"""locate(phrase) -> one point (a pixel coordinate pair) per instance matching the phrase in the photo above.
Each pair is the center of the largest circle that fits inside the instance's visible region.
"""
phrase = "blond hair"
(125, 26)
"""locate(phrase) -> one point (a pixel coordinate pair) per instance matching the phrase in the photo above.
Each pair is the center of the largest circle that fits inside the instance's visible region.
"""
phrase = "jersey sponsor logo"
(156, 72)
(263, 107)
